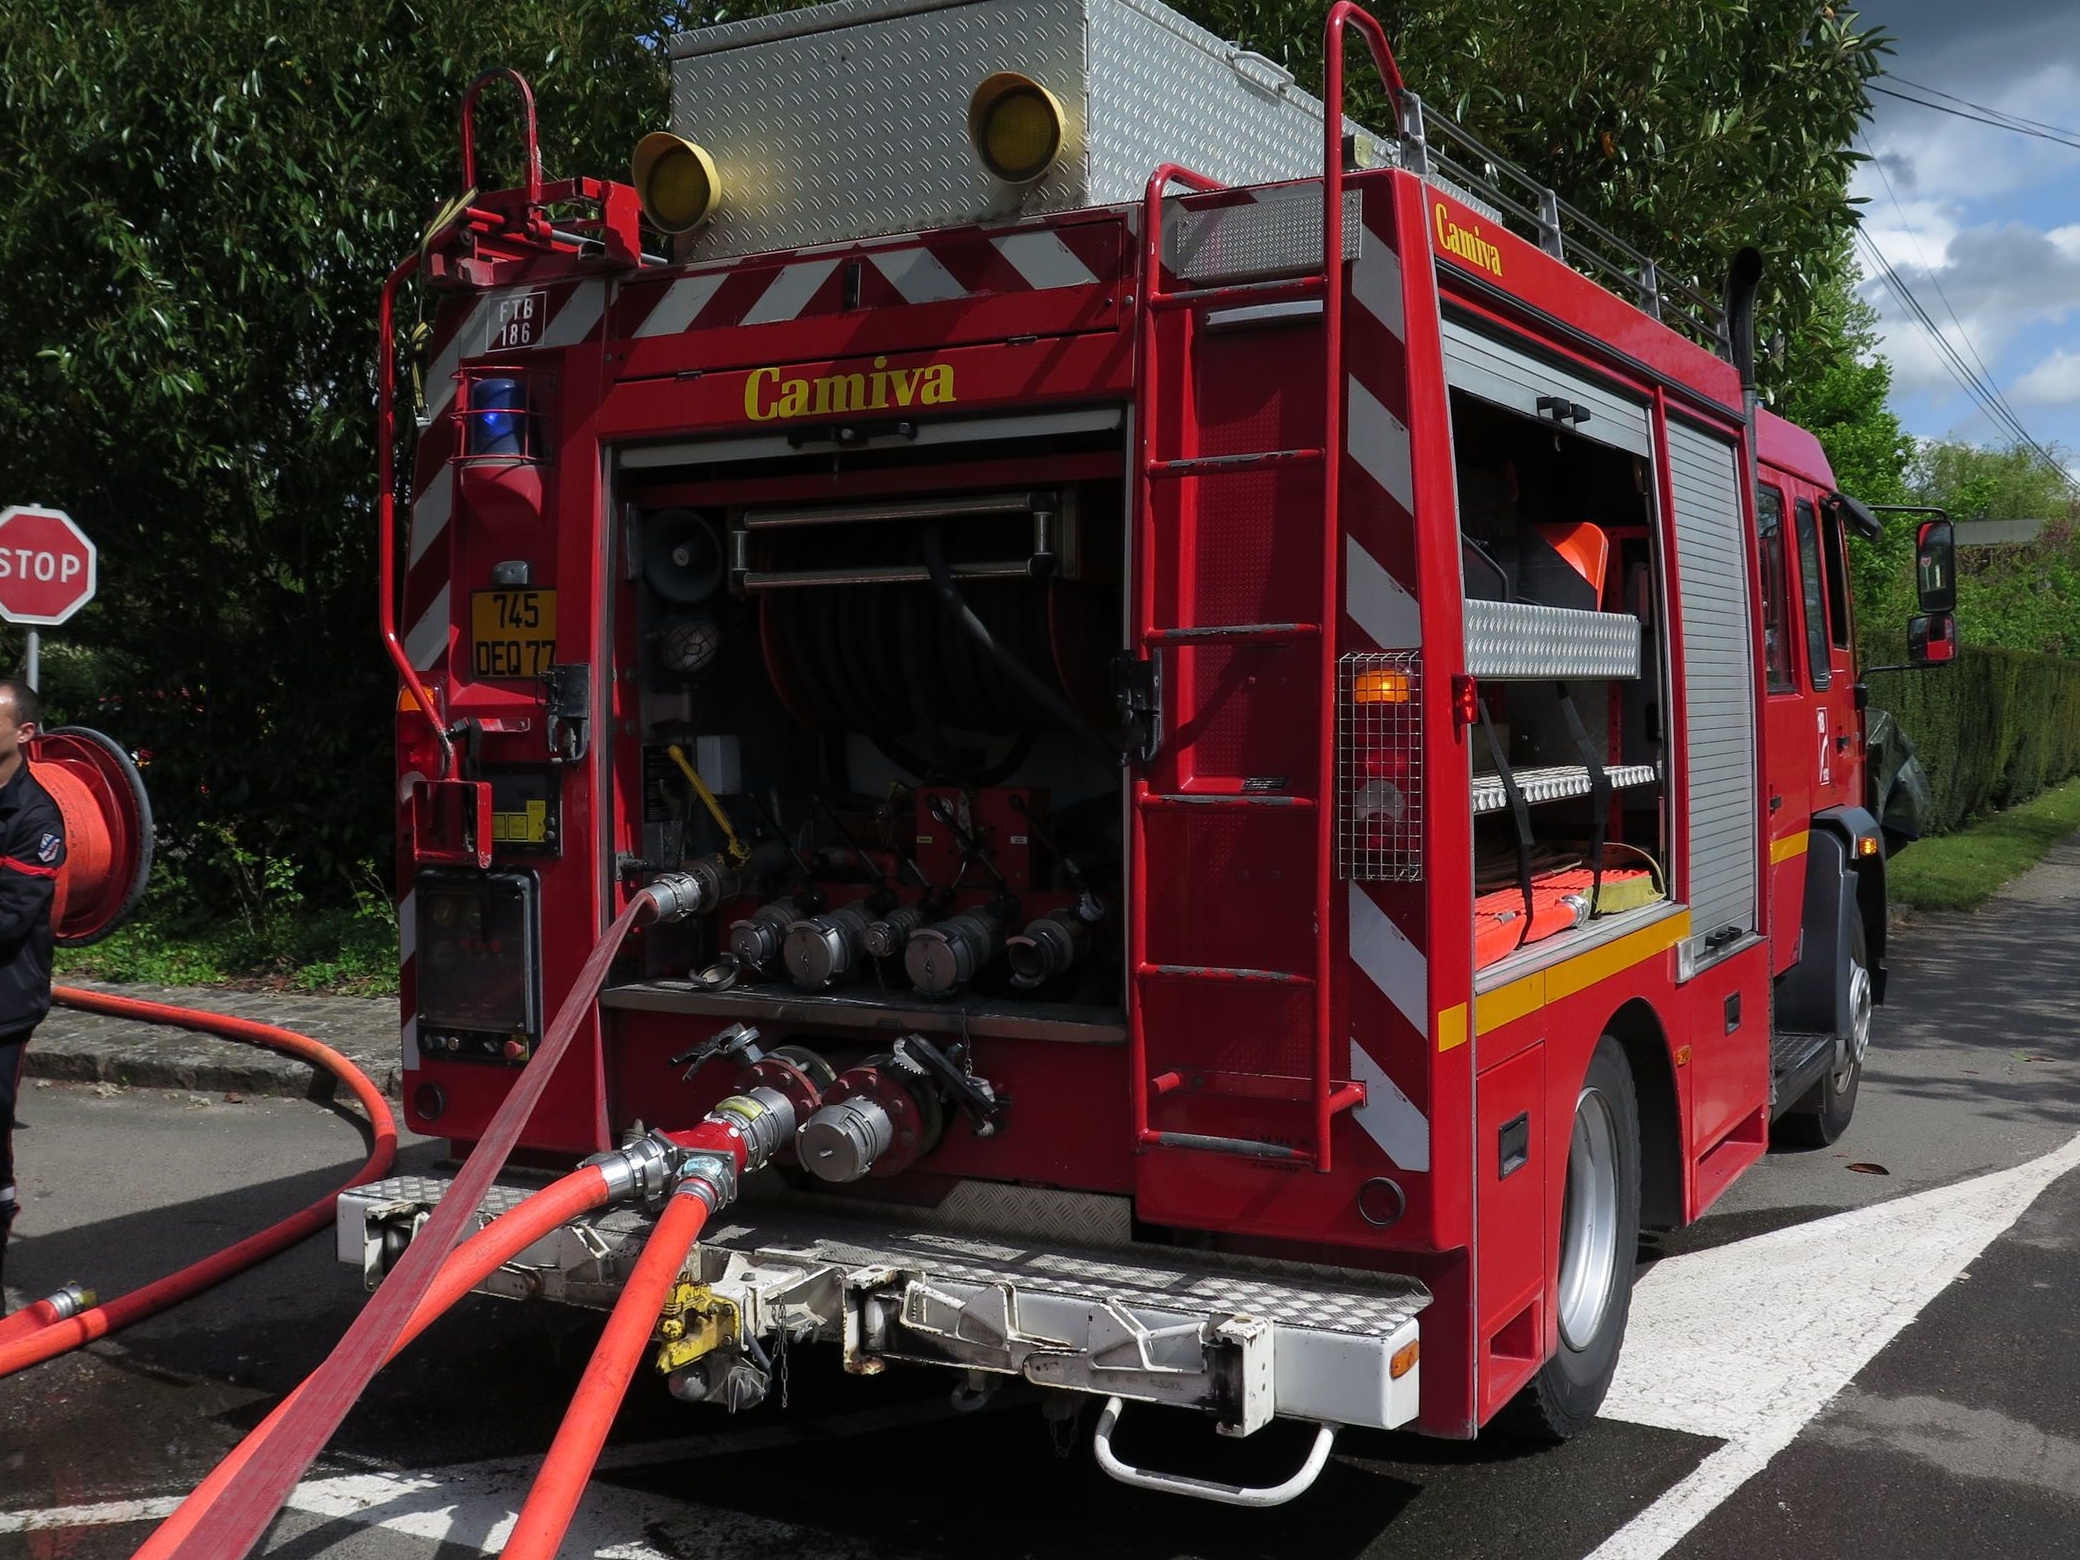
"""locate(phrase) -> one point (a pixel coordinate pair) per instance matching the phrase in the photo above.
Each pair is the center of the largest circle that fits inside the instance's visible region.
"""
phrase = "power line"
(1981, 391)
(1985, 373)
(2060, 138)
(1970, 382)
(1998, 113)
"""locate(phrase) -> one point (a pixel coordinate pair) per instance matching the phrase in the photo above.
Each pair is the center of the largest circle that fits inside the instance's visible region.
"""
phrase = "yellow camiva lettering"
(1467, 243)
(751, 397)
(768, 396)
(841, 393)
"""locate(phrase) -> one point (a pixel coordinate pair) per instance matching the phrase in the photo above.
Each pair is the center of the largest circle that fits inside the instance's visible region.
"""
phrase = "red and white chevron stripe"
(1388, 1004)
(936, 268)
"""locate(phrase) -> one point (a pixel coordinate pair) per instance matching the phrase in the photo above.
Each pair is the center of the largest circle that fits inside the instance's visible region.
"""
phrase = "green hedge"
(1992, 729)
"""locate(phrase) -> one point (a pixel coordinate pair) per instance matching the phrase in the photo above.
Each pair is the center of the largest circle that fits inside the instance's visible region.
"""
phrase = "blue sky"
(1982, 218)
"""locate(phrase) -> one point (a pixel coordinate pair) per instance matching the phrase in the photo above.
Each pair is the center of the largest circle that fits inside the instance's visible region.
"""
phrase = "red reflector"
(1466, 699)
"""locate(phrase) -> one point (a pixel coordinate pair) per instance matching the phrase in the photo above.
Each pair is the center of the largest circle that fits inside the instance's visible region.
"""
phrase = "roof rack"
(1436, 149)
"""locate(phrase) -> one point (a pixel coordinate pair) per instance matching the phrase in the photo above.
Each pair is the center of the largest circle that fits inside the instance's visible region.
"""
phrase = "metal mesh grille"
(1379, 767)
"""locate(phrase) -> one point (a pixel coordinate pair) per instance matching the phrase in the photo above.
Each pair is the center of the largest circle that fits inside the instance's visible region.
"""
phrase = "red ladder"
(1327, 1096)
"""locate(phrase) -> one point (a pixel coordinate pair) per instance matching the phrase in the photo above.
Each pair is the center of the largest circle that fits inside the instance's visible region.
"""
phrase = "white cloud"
(2055, 381)
(1934, 156)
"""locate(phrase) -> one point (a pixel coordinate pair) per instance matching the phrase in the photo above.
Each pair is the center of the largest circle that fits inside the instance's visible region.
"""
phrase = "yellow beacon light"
(1016, 125)
(676, 181)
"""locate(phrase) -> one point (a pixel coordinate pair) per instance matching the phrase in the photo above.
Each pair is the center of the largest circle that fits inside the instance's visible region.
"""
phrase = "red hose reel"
(108, 831)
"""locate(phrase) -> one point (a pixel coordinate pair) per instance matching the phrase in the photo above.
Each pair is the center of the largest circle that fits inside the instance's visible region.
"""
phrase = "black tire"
(1597, 1254)
(1823, 1114)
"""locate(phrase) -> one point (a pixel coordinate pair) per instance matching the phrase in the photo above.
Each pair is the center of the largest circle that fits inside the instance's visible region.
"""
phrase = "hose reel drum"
(108, 831)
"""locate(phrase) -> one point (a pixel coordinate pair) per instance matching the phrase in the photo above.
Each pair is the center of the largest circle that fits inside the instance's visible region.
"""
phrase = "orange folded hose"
(59, 1337)
(471, 1263)
(553, 1499)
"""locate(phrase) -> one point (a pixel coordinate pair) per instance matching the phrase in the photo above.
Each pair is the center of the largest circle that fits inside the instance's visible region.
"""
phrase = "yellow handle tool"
(739, 852)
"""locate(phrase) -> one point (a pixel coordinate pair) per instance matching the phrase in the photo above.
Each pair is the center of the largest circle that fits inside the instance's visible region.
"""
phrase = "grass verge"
(1962, 871)
(347, 952)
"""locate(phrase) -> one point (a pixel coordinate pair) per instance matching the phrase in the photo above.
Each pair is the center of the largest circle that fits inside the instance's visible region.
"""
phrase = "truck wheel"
(1823, 1114)
(1599, 1241)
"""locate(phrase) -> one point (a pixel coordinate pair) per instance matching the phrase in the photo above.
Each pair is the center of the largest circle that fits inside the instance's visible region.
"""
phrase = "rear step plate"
(1245, 1338)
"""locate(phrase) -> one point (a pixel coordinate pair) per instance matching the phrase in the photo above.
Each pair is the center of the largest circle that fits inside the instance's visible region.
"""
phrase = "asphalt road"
(1869, 1350)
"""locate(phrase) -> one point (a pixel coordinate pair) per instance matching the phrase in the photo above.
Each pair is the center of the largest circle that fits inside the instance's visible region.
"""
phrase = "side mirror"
(1932, 637)
(1935, 566)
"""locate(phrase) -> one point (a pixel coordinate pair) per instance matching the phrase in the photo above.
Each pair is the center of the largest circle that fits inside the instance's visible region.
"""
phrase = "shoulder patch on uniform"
(48, 847)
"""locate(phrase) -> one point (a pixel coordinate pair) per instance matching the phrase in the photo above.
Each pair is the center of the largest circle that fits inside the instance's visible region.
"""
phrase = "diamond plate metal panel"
(1277, 234)
(429, 1190)
(1515, 639)
(1289, 1294)
(847, 120)
(1163, 89)
(1363, 1304)
(1554, 784)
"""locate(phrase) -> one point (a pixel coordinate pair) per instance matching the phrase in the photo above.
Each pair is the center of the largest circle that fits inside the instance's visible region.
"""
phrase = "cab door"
(1830, 673)
(1787, 720)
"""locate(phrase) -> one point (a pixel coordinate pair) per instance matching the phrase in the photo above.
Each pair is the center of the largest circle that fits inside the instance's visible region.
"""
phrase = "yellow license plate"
(512, 632)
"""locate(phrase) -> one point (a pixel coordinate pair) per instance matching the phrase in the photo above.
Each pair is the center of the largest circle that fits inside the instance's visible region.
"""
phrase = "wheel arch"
(1637, 1027)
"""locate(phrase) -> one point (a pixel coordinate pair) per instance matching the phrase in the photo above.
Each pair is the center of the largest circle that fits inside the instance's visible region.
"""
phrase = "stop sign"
(46, 565)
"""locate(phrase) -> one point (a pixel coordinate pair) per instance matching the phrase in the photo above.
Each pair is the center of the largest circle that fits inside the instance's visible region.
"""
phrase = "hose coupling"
(695, 891)
(640, 1170)
(712, 1177)
(69, 1301)
(762, 1118)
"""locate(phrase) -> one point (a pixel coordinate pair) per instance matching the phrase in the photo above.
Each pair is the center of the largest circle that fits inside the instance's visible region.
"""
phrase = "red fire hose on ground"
(474, 1261)
(108, 823)
(21, 1347)
(701, 1167)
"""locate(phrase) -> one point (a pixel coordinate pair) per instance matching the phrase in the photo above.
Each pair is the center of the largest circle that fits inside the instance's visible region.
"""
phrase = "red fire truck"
(1251, 743)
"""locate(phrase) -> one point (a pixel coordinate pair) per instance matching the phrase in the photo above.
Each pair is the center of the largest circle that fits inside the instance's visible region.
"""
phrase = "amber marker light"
(1016, 126)
(1382, 688)
(676, 181)
(1404, 1360)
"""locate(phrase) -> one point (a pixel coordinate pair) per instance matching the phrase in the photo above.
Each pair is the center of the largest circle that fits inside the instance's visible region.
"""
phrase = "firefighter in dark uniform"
(32, 848)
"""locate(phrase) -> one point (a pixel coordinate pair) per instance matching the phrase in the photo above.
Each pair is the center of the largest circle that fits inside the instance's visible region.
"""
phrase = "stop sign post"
(47, 571)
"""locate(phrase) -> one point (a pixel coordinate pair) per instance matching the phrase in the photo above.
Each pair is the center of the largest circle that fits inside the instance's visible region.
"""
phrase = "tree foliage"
(1688, 129)
(198, 202)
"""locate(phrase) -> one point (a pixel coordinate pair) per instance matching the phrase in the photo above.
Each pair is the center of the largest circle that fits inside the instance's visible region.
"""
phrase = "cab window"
(1776, 624)
(1815, 595)
(1836, 557)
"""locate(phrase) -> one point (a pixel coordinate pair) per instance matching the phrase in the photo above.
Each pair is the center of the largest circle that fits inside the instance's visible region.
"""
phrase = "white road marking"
(475, 1504)
(1751, 1341)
